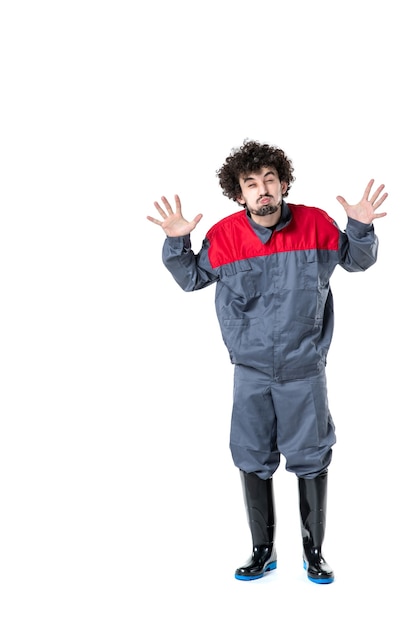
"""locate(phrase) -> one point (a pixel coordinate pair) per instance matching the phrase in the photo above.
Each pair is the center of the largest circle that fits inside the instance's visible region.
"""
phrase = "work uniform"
(275, 309)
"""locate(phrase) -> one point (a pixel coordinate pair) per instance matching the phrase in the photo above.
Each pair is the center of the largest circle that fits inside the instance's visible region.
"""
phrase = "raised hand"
(173, 224)
(364, 211)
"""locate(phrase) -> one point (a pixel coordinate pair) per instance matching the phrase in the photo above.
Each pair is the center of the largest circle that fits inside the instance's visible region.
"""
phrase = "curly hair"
(252, 156)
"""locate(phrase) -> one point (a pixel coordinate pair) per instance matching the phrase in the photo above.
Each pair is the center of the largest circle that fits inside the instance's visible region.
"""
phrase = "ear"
(284, 187)
(240, 199)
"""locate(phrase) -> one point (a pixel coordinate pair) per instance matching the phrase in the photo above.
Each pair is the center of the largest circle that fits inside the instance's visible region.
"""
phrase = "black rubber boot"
(259, 501)
(313, 501)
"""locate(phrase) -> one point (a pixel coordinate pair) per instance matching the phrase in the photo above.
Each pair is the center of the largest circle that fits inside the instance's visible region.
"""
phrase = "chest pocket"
(239, 278)
(307, 268)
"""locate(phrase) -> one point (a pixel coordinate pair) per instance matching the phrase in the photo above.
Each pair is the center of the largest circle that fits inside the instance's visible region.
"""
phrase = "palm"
(173, 223)
(364, 211)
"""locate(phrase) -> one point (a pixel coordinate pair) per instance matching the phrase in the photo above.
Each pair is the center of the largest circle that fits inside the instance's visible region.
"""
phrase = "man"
(271, 263)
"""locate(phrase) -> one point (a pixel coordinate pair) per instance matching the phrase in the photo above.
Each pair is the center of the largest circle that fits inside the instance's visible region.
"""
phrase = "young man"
(272, 263)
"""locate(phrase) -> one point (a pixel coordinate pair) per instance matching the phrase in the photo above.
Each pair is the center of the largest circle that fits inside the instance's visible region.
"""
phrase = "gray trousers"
(271, 418)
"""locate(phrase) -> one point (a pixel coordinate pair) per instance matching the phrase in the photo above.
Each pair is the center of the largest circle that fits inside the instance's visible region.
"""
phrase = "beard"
(265, 209)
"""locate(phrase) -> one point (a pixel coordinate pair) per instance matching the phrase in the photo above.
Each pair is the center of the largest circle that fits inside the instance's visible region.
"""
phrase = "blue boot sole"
(318, 581)
(268, 568)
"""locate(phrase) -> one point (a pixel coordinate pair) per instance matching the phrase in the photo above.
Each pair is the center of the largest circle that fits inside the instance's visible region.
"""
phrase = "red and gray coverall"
(275, 309)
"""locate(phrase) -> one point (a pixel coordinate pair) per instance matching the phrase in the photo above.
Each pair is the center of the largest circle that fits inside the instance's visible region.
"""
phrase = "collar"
(265, 233)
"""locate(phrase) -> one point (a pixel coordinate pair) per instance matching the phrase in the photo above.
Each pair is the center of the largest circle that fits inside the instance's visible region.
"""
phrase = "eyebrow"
(246, 178)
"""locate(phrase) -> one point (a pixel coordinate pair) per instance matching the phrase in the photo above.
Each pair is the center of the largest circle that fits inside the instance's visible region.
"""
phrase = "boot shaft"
(313, 505)
(260, 508)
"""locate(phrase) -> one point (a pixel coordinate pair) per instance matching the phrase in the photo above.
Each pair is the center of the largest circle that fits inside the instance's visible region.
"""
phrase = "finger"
(153, 220)
(381, 200)
(167, 205)
(160, 210)
(177, 204)
(368, 189)
(197, 218)
(376, 194)
(341, 200)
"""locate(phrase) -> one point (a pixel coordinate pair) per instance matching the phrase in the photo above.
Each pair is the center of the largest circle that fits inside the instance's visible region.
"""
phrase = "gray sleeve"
(191, 271)
(358, 247)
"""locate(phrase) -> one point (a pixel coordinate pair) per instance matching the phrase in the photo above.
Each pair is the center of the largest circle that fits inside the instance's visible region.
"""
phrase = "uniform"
(275, 309)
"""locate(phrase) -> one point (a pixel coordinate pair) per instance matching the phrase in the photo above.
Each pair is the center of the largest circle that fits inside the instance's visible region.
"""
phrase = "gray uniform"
(275, 309)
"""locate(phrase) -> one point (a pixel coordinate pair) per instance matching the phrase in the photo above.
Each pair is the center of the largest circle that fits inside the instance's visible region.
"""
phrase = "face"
(261, 192)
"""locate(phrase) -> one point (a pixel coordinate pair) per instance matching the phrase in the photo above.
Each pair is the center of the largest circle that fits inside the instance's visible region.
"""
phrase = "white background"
(119, 502)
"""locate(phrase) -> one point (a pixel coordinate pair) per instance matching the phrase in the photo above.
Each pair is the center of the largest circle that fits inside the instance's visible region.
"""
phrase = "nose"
(262, 189)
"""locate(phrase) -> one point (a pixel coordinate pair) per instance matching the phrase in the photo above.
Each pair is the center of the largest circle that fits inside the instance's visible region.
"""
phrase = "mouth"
(265, 200)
